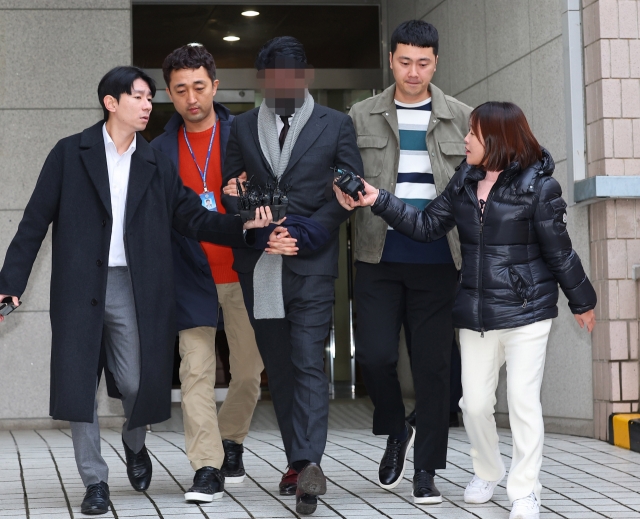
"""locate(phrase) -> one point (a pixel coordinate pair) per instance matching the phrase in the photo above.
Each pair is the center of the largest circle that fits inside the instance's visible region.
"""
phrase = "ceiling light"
(250, 13)
(230, 38)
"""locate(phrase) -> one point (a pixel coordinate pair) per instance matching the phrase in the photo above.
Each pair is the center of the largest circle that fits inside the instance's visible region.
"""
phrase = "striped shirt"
(415, 186)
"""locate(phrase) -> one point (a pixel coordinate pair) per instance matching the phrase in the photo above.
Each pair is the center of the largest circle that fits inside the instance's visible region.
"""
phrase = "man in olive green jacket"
(411, 140)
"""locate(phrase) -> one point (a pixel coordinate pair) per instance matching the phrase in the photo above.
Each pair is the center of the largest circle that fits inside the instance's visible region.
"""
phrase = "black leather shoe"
(311, 483)
(138, 467)
(96, 499)
(424, 489)
(232, 467)
(208, 484)
(391, 469)
(289, 482)
(411, 418)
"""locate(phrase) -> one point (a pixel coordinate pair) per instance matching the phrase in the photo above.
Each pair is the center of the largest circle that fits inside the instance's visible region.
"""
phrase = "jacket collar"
(439, 106)
(176, 120)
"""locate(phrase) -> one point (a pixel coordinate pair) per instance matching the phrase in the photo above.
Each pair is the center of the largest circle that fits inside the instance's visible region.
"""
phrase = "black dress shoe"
(96, 499)
(392, 465)
(289, 482)
(424, 489)
(232, 467)
(411, 418)
(138, 467)
(311, 483)
(208, 484)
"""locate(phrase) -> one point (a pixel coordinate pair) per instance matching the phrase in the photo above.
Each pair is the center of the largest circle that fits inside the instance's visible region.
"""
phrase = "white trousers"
(524, 350)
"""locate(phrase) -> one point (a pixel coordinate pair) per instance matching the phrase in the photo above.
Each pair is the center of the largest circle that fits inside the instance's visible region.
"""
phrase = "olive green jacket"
(376, 123)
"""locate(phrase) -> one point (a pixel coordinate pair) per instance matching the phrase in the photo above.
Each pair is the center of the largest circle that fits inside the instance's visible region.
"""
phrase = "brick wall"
(612, 77)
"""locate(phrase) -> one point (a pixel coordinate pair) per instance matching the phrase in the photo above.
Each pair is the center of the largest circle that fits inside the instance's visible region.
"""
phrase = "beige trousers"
(524, 350)
(204, 429)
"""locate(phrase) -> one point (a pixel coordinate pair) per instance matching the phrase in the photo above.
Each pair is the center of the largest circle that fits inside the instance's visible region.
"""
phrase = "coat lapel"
(94, 158)
(309, 134)
(143, 167)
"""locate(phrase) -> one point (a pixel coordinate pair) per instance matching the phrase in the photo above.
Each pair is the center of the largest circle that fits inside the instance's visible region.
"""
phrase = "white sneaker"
(525, 508)
(480, 491)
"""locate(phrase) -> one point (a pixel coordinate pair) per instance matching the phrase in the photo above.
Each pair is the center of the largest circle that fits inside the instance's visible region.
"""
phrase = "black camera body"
(348, 182)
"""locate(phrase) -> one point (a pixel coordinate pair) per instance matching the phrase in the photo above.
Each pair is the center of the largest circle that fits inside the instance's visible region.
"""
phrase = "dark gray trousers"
(292, 351)
(122, 347)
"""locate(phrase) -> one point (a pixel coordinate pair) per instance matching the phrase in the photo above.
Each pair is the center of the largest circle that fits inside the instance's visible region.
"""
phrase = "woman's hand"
(369, 198)
(263, 219)
(587, 318)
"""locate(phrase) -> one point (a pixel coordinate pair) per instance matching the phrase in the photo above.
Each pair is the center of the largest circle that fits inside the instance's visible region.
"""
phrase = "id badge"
(208, 201)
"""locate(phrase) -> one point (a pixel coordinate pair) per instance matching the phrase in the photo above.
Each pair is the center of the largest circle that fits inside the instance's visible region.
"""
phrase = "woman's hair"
(506, 134)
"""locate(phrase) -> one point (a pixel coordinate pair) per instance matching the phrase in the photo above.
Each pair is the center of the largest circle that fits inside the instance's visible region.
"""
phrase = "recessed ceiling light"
(250, 13)
(230, 38)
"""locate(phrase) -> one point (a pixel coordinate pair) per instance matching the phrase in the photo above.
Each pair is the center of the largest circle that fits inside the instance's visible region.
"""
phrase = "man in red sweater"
(195, 139)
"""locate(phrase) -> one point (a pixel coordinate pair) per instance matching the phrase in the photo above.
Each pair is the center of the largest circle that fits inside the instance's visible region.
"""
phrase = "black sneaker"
(96, 499)
(424, 489)
(208, 484)
(232, 467)
(392, 465)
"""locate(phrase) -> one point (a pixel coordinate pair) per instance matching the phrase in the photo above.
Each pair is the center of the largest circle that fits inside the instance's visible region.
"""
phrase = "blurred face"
(131, 111)
(192, 93)
(412, 68)
(474, 147)
(284, 88)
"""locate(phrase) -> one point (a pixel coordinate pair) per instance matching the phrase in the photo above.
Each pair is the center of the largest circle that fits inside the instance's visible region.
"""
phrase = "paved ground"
(582, 478)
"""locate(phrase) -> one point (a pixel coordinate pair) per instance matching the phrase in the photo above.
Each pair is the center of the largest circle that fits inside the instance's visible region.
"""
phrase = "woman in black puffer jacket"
(512, 224)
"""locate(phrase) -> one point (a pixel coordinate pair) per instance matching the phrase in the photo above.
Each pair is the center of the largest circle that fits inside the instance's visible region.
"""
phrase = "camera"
(348, 182)
(252, 196)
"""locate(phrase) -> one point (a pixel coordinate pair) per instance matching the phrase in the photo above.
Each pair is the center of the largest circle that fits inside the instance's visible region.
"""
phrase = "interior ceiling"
(333, 36)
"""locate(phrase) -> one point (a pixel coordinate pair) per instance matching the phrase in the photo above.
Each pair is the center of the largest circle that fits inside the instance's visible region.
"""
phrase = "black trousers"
(292, 351)
(386, 293)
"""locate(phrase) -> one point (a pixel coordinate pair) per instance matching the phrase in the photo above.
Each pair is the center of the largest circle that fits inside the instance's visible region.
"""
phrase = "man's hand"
(587, 318)
(281, 242)
(369, 198)
(263, 218)
(14, 299)
(232, 187)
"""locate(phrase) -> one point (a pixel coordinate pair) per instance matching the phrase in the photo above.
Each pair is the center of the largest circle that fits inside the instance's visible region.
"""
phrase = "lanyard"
(203, 174)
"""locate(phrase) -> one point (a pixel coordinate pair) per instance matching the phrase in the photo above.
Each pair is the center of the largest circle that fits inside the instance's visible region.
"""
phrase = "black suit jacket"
(72, 193)
(328, 139)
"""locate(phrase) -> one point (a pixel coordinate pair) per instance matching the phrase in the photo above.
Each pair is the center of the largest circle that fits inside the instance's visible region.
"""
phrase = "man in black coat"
(112, 200)
(288, 279)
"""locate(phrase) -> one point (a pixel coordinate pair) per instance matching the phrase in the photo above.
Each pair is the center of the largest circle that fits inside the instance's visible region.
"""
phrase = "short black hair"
(191, 56)
(286, 47)
(417, 33)
(120, 80)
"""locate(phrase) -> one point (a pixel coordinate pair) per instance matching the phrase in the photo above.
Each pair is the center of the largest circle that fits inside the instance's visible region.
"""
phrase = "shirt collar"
(108, 142)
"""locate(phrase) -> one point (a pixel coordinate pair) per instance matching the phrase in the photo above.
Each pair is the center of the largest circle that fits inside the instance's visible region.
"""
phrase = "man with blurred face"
(113, 201)
(288, 280)
(195, 139)
(411, 137)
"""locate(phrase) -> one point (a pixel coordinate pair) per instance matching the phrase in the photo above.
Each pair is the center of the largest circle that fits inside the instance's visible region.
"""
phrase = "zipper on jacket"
(523, 281)
(481, 214)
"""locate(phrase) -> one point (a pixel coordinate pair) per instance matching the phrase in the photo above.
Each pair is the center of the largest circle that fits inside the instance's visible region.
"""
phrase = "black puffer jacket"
(513, 256)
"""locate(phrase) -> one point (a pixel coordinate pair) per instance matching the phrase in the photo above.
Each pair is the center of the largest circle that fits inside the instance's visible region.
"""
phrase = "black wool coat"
(72, 192)
(514, 254)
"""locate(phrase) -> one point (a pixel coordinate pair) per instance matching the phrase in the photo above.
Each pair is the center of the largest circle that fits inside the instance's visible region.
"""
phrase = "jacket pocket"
(521, 286)
(452, 153)
(372, 149)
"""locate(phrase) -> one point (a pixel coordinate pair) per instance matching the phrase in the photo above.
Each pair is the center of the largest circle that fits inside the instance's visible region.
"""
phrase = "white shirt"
(118, 167)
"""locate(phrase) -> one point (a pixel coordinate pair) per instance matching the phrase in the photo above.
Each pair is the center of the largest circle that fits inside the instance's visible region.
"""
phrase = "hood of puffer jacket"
(522, 180)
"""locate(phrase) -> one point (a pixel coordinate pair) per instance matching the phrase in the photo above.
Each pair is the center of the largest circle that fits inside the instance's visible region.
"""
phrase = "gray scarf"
(268, 302)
